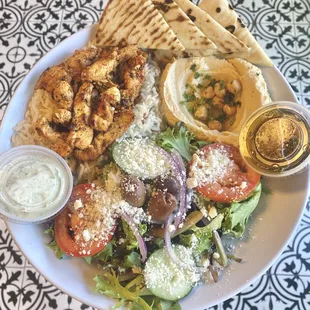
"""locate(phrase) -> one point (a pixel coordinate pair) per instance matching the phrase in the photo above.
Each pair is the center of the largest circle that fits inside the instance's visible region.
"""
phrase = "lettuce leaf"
(108, 284)
(131, 242)
(53, 244)
(132, 260)
(200, 238)
(133, 295)
(103, 256)
(181, 140)
(238, 214)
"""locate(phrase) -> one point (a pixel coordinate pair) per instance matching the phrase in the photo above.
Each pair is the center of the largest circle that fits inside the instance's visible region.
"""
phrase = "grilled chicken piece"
(63, 95)
(99, 72)
(80, 60)
(81, 135)
(102, 116)
(127, 52)
(51, 77)
(56, 81)
(62, 117)
(133, 74)
(121, 123)
(57, 141)
(82, 103)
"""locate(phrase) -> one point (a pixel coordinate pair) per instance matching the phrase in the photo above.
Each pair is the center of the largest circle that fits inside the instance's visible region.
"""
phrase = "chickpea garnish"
(219, 90)
(209, 92)
(215, 125)
(234, 87)
(218, 102)
(229, 110)
(201, 113)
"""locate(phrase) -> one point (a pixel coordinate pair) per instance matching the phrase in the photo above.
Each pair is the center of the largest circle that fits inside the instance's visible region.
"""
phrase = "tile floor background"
(29, 29)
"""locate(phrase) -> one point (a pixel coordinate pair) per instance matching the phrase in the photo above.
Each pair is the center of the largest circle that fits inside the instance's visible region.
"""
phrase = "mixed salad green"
(168, 231)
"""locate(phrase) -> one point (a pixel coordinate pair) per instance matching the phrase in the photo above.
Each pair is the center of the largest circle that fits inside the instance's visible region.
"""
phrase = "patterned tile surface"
(29, 29)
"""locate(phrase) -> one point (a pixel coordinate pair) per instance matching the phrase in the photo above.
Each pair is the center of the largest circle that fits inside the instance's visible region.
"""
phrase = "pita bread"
(188, 34)
(223, 39)
(132, 22)
(225, 15)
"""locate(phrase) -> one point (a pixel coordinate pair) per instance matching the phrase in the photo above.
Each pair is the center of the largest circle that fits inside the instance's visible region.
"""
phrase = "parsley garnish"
(213, 82)
(197, 75)
(207, 77)
(193, 67)
(222, 84)
(189, 97)
(208, 101)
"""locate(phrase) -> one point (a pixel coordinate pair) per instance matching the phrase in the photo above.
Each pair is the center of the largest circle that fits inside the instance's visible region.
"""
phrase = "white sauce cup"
(35, 184)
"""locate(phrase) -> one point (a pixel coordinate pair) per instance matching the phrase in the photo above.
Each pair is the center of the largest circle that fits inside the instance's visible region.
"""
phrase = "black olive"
(168, 184)
(133, 190)
(161, 205)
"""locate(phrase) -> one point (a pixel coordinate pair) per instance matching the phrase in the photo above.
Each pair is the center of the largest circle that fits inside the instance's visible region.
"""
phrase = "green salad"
(153, 219)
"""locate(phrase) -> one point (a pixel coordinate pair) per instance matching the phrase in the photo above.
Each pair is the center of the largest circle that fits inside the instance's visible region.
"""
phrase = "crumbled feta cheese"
(209, 168)
(205, 262)
(243, 185)
(141, 155)
(86, 235)
(171, 228)
(78, 204)
(191, 183)
(212, 212)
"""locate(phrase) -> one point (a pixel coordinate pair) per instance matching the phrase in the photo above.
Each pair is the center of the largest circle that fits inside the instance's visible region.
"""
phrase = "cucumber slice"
(140, 157)
(168, 280)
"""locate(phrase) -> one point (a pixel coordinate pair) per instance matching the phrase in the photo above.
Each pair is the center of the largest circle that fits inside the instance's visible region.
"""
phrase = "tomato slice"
(64, 234)
(235, 183)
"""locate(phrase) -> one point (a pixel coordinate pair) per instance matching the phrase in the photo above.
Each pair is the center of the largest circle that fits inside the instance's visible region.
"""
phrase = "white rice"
(148, 118)
(24, 132)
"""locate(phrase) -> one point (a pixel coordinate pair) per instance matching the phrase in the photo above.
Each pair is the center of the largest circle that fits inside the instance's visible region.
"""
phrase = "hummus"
(184, 88)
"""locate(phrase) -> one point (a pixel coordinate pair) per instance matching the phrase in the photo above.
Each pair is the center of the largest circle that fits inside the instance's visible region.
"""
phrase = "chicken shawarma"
(92, 93)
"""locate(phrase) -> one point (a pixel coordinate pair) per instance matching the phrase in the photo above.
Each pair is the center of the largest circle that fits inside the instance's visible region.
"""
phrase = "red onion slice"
(179, 171)
(183, 199)
(167, 236)
(136, 232)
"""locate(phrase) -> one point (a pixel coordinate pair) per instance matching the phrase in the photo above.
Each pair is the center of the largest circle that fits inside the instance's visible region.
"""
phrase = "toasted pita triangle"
(223, 39)
(224, 14)
(187, 32)
(126, 22)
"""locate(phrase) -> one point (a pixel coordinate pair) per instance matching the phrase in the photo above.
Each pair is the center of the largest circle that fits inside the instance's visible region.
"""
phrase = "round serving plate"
(269, 230)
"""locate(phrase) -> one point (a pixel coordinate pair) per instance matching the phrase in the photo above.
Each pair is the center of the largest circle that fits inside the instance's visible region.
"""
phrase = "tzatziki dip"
(35, 183)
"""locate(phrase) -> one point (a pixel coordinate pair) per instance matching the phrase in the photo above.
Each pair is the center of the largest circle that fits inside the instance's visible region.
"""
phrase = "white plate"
(271, 226)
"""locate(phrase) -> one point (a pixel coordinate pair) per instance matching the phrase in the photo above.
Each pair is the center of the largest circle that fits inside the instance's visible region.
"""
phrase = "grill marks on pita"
(127, 22)
(224, 14)
(225, 41)
(179, 28)
(187, 32)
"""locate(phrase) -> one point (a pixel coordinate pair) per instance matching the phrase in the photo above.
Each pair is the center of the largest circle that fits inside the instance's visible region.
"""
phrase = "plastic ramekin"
(275, 140)
(9, 212)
